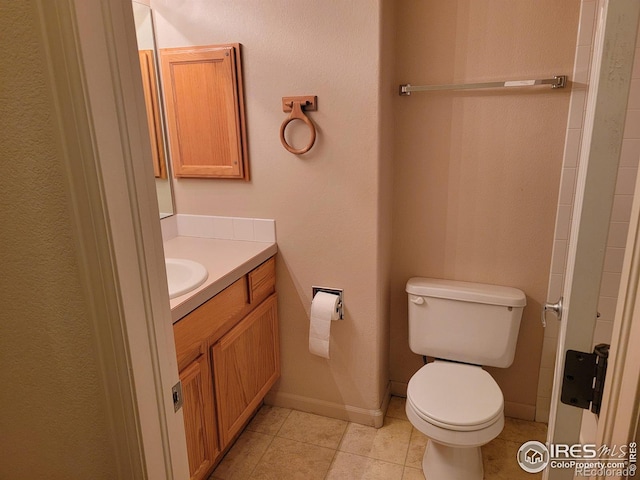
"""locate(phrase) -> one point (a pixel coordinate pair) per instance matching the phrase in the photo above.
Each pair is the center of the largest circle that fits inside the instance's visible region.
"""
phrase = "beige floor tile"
(284, 444)
(240, 461)
(389, 443)
(354, 467)
(314, 429)
(417, 445)
(516, 430)
(499, 461)
(396, 408)
(412, 474)
(290, 460)
(269, 419)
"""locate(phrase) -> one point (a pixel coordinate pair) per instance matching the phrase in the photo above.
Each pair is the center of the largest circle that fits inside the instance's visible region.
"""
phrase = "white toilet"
(452, 400)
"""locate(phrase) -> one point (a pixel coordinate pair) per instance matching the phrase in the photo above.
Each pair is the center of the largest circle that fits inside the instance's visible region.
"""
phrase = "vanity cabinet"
(204, 103)
(228, 358)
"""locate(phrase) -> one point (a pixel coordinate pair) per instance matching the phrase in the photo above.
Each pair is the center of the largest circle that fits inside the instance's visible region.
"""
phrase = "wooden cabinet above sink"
(204, 103)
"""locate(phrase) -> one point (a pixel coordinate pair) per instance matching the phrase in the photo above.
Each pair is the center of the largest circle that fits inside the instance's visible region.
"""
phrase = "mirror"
(150, 80)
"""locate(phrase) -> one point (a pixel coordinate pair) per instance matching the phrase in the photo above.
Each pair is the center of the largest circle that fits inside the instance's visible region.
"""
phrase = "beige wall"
(477, 173)
(332, 205)
(53, 419)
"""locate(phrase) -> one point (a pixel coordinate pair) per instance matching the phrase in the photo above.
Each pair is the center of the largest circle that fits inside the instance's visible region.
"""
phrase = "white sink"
(184, 275)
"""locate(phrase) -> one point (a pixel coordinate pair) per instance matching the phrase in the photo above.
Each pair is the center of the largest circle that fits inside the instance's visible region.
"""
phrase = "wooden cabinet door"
(205, 111)
(199, 418)
(246, 364)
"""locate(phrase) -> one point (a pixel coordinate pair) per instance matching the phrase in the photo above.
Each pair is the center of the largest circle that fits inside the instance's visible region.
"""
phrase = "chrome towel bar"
(559, 81)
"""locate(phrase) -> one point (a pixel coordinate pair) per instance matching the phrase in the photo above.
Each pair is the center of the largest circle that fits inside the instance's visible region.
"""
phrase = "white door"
(613, 55)
(91, 50)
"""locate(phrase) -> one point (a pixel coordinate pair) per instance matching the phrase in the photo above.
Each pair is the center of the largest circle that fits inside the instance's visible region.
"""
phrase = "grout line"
(261, 456)
(308, 443)
(261, 433)
(343, 435)
(406, 455)
(283, 422)
(335, 453)
(337, 449)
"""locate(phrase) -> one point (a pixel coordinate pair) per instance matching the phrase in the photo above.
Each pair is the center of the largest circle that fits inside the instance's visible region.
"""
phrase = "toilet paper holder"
(333, 291)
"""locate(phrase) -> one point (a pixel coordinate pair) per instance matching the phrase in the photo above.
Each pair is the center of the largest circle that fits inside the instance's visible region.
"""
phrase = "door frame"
(611, 66)
(618, 423)
(96, 88)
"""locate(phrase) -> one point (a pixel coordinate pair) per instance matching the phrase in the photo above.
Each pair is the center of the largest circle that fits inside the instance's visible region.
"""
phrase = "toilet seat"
(455, 396)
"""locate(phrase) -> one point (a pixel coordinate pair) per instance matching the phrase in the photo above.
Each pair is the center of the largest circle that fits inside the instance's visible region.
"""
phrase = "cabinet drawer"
(262, 281)
(211, 320)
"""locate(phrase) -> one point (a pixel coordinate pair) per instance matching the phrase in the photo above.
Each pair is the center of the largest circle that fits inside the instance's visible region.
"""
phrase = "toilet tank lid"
(466, 291)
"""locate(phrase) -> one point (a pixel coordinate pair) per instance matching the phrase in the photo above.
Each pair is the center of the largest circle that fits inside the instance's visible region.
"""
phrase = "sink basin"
(184, 275)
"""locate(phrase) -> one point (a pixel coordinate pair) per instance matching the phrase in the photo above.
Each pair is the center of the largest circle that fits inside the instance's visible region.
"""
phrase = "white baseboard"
(520, 410)
(349, 413)
(399, 389)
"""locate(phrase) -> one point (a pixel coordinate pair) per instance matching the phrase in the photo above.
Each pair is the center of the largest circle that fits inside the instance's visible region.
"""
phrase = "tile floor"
(283, 444)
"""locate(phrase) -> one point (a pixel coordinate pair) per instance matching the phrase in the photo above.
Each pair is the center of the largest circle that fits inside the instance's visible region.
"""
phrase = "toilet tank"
(463, 321)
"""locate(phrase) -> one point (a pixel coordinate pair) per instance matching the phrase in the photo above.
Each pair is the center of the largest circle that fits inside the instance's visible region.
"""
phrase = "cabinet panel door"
(205, 111)
(199, 417)
(246, 364)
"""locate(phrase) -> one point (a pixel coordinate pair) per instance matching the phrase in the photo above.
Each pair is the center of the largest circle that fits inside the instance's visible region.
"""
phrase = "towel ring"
(298, 114)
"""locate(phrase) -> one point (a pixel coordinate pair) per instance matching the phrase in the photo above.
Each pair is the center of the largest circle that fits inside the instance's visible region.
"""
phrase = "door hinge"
(584, 375)
(176, 393)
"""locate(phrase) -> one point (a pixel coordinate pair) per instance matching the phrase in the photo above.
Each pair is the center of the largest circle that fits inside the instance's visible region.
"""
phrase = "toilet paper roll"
(324, 309)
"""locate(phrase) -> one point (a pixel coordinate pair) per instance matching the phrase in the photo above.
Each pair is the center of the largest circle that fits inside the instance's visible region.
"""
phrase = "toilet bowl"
(452, 400)
(460, 408)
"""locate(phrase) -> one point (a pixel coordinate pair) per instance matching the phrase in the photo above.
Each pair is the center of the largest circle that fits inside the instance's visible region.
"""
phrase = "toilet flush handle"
(416, 300)
(555, 308)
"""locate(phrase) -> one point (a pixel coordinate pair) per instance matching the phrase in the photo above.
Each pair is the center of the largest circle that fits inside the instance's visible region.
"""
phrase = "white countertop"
(225, 260)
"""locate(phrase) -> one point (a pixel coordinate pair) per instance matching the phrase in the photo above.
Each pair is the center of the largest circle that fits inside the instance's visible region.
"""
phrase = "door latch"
(176, 393)
(584, 376)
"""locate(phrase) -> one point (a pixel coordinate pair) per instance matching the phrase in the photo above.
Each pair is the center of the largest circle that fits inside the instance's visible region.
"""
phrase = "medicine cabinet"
(204, 104)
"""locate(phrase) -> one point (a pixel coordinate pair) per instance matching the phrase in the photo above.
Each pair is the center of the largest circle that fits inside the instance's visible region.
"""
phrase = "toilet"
(452, 400)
